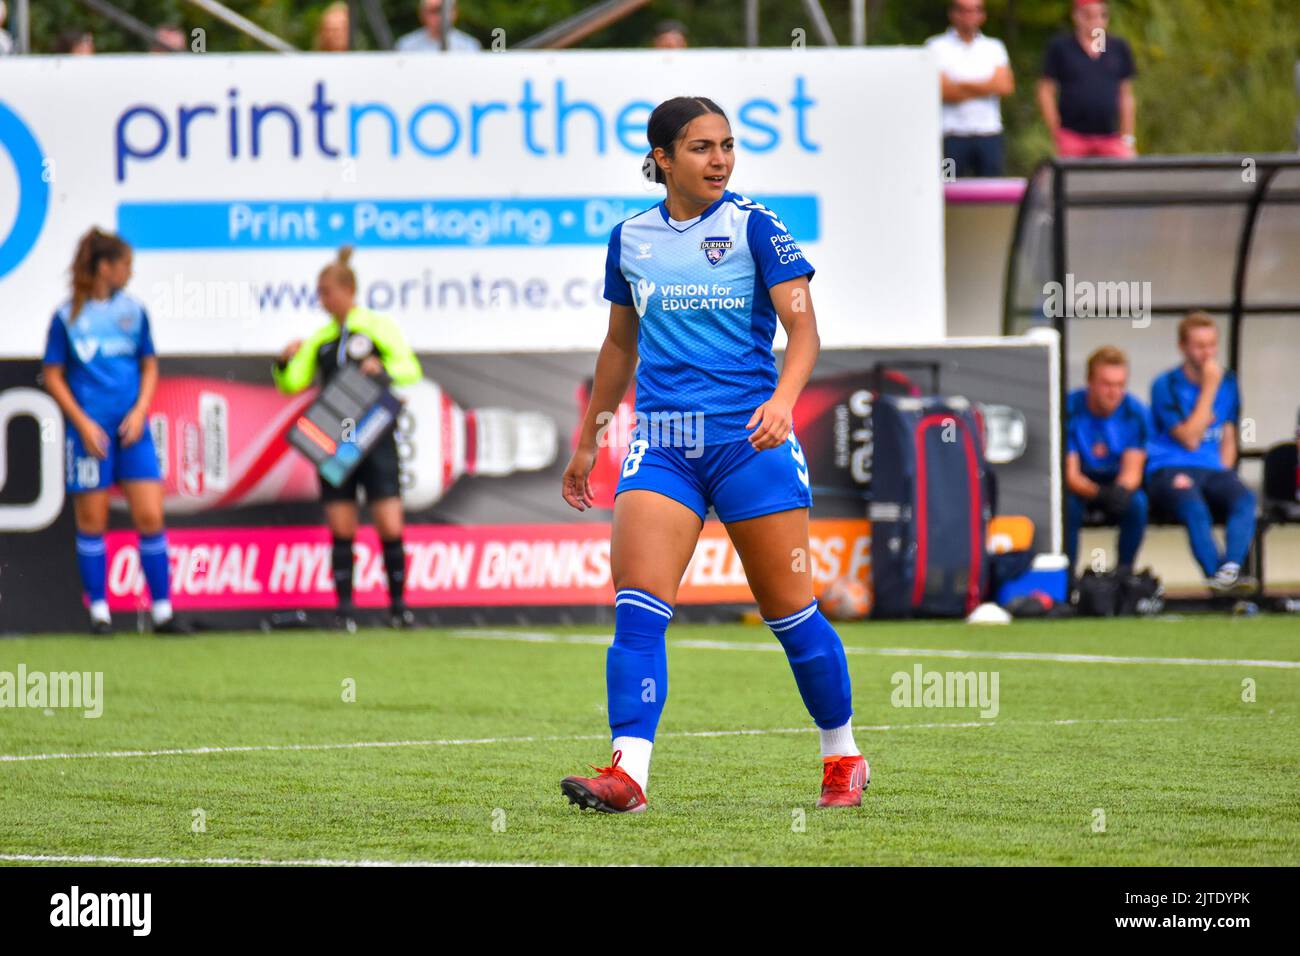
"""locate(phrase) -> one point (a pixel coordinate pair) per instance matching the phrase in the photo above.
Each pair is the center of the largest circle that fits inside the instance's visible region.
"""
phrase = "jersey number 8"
(635, 452)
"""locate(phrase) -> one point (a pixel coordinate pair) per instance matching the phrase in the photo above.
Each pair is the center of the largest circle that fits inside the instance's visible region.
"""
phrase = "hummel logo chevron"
(800, 461)
(745, 203)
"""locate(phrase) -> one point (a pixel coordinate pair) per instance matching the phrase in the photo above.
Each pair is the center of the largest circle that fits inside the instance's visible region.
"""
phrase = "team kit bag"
(929, 507)
(1115, 594)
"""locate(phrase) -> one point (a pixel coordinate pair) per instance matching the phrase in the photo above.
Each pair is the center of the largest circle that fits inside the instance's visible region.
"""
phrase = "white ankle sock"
(838, 741)
(636, 758)
(99, 611)
(162, 611)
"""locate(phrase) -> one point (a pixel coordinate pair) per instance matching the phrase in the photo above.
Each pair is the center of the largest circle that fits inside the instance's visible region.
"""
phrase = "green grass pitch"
(1086, 762)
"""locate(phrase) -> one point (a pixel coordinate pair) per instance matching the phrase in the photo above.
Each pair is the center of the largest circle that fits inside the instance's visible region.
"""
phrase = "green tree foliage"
(1214, 75)
(1217, 75)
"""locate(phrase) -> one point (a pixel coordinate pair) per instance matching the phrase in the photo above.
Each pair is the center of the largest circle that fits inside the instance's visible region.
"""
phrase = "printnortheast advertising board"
(480, 190)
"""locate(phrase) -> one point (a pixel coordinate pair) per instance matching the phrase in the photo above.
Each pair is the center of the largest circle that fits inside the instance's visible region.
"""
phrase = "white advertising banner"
(479, 190)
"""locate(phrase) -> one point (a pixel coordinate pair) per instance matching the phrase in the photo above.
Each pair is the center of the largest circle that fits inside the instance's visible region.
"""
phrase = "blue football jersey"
(1172, 399)
(1101, 442)
(100, 351)
(707, 322)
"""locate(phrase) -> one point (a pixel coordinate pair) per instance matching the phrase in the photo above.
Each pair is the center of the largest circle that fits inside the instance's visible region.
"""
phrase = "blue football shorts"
(85, 472)
(733, 478)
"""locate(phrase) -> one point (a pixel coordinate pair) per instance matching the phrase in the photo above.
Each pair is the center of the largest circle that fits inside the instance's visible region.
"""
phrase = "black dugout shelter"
(1164, 235)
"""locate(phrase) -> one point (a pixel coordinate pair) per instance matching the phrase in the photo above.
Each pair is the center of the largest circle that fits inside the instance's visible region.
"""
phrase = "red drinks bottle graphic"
(221, 444)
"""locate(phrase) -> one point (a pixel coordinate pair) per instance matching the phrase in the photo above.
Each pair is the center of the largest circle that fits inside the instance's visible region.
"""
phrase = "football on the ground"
(846, 599)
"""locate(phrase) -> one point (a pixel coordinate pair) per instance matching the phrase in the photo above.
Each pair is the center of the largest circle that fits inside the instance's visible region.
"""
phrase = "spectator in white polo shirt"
(428, 39)
(974, 73)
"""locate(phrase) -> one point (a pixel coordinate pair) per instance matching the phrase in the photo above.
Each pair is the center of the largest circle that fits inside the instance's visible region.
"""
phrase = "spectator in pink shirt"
(1086, 90)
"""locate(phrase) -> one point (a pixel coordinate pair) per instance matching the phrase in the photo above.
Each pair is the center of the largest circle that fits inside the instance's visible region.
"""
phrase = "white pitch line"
(533, 637)
(1076, 658)
(541, 637)
(238, 861)
(288, 748)
(565, 738)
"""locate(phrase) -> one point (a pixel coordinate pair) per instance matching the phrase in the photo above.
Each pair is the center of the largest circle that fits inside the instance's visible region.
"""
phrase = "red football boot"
(612, 790)
(843, 780)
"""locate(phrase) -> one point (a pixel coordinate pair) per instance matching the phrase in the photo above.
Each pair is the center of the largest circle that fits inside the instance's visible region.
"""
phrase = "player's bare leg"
(341, 518)
(774, 551)
(387, 515)
(652, 541)
(145, 500)
(90, 510)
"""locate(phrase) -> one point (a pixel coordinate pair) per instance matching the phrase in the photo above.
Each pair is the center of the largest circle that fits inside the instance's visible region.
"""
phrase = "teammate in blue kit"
(697, 285)
(1192, 457)
(1106, 438)
(101, 369)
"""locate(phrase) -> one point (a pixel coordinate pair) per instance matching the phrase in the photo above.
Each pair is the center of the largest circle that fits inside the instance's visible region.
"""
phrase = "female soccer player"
(101, 369)
(355, 335)
(697, 284)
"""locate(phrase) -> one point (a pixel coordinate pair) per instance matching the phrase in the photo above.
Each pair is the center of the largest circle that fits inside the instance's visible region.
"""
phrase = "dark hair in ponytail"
(667, 123)
(94, 247)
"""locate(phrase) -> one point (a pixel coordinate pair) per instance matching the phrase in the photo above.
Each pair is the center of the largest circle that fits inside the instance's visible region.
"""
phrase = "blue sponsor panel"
(451, 222)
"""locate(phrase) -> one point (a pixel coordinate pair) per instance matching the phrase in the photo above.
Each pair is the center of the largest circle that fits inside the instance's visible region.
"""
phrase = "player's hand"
(576, 485)
(774, 419)
(132, 426)
(1212, 373)
(1113, 500)
(93, 437)
(290, 351)
(372, 365)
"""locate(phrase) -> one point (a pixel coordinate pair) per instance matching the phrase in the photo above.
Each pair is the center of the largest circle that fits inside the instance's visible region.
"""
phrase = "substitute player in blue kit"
(101, 369)
(697, 284)
(1106, 433)
(1192, 457)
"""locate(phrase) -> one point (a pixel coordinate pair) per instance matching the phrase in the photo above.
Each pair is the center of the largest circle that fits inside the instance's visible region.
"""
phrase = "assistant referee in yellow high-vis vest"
(372, 342)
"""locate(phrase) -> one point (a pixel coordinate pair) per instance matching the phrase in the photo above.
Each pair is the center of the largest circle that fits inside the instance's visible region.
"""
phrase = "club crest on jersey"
(715, 247)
